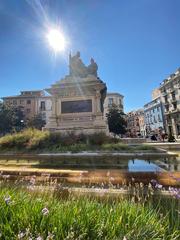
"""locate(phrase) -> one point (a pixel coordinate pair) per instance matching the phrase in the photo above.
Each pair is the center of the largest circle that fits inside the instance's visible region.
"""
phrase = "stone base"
(86, 124)
(78, 130)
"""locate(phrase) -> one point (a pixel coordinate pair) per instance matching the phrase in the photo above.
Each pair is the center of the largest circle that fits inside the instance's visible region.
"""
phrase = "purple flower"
(7, 199)
(21, 235)
(175, 192)
(39, 238)
(159, 186)
(32, 180)
(178, 196)
(50, 236)
(153, 181)
(45, 211)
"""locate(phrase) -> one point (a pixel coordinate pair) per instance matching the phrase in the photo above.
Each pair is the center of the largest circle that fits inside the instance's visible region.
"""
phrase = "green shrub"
(98, 139)
(54, 138)
(18, 140)
(38, 140)
(115, 147)
(145, 147)
(28, 139)
(66, 140)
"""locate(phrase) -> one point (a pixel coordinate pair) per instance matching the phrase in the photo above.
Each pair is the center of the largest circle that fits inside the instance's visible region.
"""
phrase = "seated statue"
(93, 67)
(77, 67)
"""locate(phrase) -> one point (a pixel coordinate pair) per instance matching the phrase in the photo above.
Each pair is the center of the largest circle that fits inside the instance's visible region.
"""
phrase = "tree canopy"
(11, 118)
(116, 120)
(36, 122)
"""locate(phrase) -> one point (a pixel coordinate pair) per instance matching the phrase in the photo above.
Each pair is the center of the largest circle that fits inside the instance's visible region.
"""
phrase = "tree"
(36, 122)
(11, 118)
(116, 120)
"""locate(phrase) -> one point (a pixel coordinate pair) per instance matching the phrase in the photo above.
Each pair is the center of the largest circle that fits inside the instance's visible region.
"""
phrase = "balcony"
(172, 90)
(120, 106)
(174, 100)
(164, 94)
(166, 103)
(41, 109)
(167, 111)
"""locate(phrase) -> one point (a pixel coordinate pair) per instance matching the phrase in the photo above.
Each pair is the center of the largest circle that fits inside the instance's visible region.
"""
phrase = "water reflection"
(137, 165)
(124, 164)
(154, 165)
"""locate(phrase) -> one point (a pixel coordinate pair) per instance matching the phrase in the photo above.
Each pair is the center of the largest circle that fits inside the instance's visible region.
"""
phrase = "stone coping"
(91, 177)
(91, 154)
(99, 192)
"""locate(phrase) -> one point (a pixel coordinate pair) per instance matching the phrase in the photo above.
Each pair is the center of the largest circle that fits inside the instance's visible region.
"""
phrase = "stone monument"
(77, 100)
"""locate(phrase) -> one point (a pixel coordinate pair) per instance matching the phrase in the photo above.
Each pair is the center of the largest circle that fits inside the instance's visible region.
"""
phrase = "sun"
(56, 40)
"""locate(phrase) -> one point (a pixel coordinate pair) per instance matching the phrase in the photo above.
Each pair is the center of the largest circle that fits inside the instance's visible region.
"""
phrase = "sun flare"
(56, 40)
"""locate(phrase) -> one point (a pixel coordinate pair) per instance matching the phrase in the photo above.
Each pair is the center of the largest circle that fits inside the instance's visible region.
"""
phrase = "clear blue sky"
(136, 43)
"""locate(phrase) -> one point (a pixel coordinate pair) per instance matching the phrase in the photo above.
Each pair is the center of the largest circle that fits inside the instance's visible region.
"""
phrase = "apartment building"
(27, 100)
(154, 116)
(170, 92)
(156, 93)
(113, 98)
(135, 123)
(44, 107)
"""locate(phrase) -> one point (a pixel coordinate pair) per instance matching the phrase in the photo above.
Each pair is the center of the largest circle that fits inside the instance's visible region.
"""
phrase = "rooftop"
(115, 94)
(170, 78)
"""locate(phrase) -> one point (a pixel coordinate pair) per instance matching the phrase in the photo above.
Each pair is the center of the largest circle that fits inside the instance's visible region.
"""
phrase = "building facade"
(170, 93)
(142, 125)
(156, 93)
(44, 107)
(154, 116)
(27, 101)
(113, 98)
(135, 123)
(36, 102)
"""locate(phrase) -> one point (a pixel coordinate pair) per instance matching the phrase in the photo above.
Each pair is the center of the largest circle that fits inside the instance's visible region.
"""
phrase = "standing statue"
(93, 67)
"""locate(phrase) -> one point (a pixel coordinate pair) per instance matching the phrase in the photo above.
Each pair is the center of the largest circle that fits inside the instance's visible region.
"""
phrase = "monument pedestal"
(77, 100)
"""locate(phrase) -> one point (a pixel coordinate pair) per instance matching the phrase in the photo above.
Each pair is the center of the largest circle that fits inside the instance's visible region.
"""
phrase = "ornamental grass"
(40, 215)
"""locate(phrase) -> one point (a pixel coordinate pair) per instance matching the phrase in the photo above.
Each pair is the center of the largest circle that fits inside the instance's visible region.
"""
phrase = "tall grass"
(36, 140)
(25, 215)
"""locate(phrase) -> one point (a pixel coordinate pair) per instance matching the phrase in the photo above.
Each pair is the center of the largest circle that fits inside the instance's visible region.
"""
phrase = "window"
(155, 119)
(21, 102)
(178, 129)
(173, 97)
(44, 116)
(28, 110)
(174, 106)
(28, 101)
(151, 120)
(159, 118)
(14, 102)
(165, 99)
(110, 102)
(42, 106)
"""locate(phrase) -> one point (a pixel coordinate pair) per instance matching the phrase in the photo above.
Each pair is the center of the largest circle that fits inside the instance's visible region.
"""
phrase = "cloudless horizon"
(136, 44)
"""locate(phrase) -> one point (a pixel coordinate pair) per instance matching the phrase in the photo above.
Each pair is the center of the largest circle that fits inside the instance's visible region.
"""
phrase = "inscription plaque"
(76, 106)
